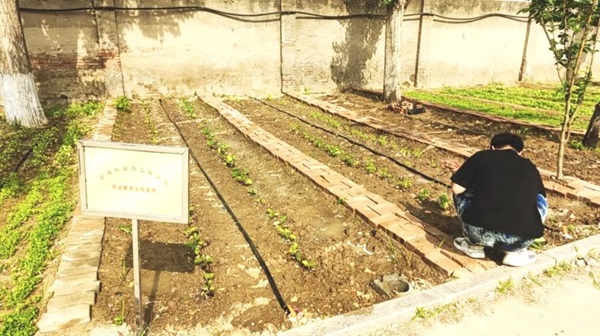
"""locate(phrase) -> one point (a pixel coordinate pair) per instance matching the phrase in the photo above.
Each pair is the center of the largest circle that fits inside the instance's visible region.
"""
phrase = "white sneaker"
(464, 245)
(519, 258)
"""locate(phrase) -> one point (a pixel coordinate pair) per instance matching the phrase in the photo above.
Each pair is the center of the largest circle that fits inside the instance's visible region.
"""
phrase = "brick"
(57, 303)
(421, 246)
(357, 200)
(384, 218)
(595, 202)
(472, 265)
(403, 232)
(442, 263)
(385, 208)
(64, 318)
(354, 191)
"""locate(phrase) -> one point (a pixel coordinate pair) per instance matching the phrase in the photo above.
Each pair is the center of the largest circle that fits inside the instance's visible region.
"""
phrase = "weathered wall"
(182, 52)
(106, 52)
(64, 53)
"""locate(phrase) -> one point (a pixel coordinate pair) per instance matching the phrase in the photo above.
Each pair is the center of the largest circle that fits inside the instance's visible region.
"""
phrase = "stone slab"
(74, 280)
(74, 239)
(64, 318)
(77, 288)
(65, 265)
(80, 255)
(83, 270)
(58, 303)
(83, 247)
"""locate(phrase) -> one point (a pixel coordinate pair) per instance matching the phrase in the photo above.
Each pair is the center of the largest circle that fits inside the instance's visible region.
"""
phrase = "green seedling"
(222, 149)
(203, 260)
(252, 191)
(120, 319)
(272, 213)
(126, 228)
(422, 313)
(286, 233)
(538, 244)
(444, 202)
(423, 195)
(229, 160)
(188, 108)
(123, 104)
(383, 173)
(370, 167)
(505, 286)
(559, 269)
(404, 183)
(349, 160)
(309, 264)
(382, 140)
(341, 201)
(576, 145)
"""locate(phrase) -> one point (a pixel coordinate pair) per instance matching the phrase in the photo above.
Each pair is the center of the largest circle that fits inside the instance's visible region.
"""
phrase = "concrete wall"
(182, 52)
(105, 52)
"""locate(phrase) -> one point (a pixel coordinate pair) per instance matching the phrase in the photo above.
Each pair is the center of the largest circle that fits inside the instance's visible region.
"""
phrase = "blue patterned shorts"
(498, 240)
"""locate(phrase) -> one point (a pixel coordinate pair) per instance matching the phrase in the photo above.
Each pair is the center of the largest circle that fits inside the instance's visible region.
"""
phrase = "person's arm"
(457, 188)
(464, 176)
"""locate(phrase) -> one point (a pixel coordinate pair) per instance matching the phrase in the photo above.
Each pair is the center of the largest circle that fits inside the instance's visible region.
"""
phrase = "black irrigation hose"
(20, 163)
(370, 149)
(29, 151)
(257, 255)
(303, 15)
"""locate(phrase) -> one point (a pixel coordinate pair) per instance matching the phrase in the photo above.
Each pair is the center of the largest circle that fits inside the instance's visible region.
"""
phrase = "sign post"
(136, 182)
(137, 277)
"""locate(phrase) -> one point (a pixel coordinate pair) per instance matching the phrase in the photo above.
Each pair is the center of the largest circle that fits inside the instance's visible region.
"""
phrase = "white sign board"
(134, 181)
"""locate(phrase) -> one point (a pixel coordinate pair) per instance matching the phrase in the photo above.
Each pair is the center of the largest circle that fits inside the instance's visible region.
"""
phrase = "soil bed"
(540, 146)
(348, 254)
(578, 219)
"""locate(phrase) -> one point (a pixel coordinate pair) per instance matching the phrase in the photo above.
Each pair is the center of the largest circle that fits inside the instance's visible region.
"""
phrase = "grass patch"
(47, 206)
(511, 102)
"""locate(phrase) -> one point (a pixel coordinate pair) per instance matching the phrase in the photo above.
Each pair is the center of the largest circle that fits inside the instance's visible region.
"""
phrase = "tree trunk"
(393, 52)
(590, 139)
(563, 140)
(21, 102)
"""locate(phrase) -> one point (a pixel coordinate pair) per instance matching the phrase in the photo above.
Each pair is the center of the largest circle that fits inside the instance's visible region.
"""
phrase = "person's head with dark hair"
(502, 140)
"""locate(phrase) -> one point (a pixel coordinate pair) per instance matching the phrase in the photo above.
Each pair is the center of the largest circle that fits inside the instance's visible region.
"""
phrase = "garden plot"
(37, 196)
(321, 256)
(573, 217)
(541, 146)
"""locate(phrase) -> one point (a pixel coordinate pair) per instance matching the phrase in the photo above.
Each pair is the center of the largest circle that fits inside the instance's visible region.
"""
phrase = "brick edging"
(575, 188)
(76, 283)
(432, 245)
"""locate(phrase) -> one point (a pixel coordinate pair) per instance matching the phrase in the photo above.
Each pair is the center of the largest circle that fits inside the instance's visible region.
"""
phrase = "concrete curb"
(76, 284)
(403, 308)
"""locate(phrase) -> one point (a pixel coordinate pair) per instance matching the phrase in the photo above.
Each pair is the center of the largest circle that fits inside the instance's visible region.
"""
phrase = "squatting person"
(500, 201)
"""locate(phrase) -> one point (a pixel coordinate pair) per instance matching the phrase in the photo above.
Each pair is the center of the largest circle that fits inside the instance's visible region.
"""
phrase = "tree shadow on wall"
(362, 35)
(65, 48)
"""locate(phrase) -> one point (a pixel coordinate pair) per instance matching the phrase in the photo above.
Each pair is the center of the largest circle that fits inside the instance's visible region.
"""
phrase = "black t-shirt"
(505, 186)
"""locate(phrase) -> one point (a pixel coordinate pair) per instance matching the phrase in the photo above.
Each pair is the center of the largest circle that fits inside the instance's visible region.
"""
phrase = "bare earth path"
(565, 305)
